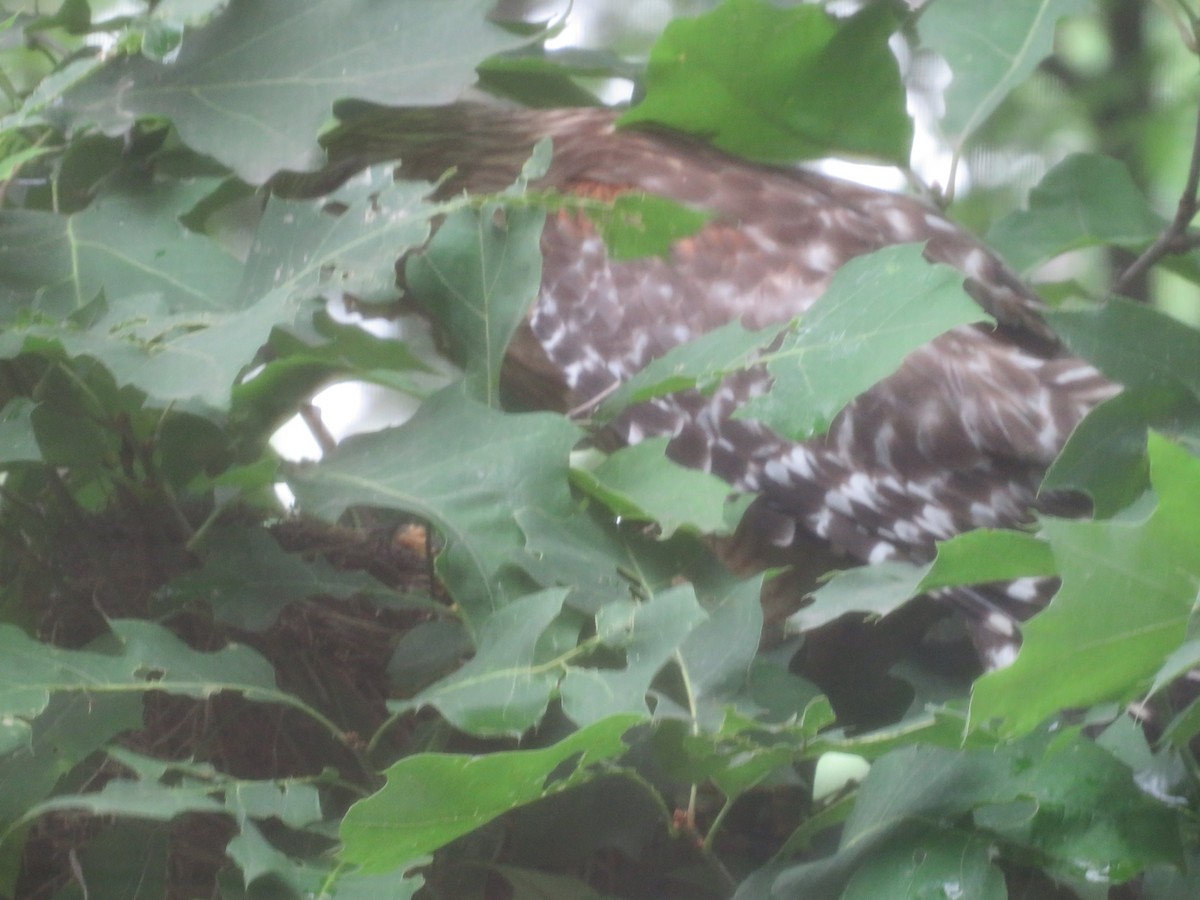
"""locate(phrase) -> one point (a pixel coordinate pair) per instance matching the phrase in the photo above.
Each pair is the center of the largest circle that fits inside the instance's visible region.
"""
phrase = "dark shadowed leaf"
(68, 728)
(1069, 800)
(1133, 344)
(248, 579)
(141, 656)
(530, 884)
(945, 864)
(128, 859)
(17, 441)
(501, 690)
(1105, 457)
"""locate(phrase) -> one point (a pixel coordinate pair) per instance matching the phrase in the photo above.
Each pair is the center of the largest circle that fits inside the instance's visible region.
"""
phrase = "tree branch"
(1175, 238)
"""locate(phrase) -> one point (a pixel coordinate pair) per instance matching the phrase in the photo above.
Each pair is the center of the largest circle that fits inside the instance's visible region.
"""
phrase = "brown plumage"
(958, 438)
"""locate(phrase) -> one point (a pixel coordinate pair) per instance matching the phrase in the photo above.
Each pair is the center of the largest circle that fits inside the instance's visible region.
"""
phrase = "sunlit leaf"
(639, 224)
(775, 84)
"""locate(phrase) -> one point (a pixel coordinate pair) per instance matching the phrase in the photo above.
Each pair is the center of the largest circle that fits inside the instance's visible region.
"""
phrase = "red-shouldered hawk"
(958, 438)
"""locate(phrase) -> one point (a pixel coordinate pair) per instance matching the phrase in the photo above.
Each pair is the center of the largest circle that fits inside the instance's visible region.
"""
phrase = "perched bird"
(958, 438)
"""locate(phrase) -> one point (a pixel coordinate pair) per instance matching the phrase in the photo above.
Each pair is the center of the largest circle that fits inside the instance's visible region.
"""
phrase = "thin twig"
(1175, 238)
(311, 416)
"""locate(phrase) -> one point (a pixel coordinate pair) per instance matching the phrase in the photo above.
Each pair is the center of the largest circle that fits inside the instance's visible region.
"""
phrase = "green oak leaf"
(1127, 593)
(991, 47)
(977, 557)
(477, 278)
(128, 241)
(640, 483)
(774, 84)
(1084, 201)
(878, 309)
(253, 85)
(432, 798)
(465, 467)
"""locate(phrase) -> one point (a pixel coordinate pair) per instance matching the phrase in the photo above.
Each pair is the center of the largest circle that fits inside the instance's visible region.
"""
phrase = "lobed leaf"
(478, 278)
(247, 579)
(253, 86)
(1127, 593)
(976, 557)
(1133, 344)
(699, 364)
(1068, 801)
(128, 241)
(139, 656)
(465, 467)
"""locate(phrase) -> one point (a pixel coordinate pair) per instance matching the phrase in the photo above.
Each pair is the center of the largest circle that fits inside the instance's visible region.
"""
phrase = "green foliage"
(877, 310)
(1126, 599)
(744, 94)
(991, 47)
(479, 651)
(252, 88)
(430, 799)
(1084, 201)
(477, 278)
